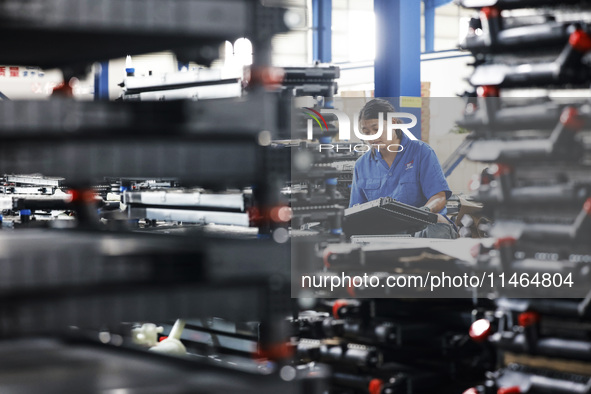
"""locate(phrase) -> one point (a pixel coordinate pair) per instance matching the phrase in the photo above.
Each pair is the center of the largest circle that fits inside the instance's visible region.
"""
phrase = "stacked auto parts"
(536, 188)
(385, 346)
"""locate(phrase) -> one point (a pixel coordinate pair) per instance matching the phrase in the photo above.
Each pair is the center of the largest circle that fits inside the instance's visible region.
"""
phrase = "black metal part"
(85, 141)
(52, 366)
(72, 34)
(94, 279)
(386, 216)
(516, 4)
(548, 35)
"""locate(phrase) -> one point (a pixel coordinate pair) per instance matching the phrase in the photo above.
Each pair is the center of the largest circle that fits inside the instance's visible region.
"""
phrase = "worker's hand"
(441, 219)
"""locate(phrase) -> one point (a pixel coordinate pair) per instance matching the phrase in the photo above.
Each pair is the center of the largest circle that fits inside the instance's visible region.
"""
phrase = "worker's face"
(371, 127)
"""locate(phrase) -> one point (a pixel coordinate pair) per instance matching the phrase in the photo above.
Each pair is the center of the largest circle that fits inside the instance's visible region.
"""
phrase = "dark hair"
(372, 109)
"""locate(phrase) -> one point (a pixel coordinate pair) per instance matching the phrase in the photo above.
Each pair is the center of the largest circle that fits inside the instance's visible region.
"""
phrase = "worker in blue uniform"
(404, 169)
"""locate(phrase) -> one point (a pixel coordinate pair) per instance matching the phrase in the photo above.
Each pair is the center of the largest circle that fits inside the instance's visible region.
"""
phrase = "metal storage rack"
(95, 279)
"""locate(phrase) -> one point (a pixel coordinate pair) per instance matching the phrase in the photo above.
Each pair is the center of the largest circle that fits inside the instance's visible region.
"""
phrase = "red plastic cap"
(480, 330)
(63, 89)
(267, 76)
(375, 386)
(580, 41)
(504, 242)
(488, 91)
(275, 352)
(277, 214)
(527, 319)
(351, 291)
(254, 216)
(85, 196)
(490, 12)
(587, 206)
(162, 338)
(509, 390)
(570, 118)
(281, 214)
(338, 304)
(503, 169)
(325, 258)
(471, 390)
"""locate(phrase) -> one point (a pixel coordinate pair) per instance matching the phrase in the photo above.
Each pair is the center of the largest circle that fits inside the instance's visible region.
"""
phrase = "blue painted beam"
(322, 30)
(398, 52)
(430, 6)
(429, 26)
(439, 3)
(398, 48)
(101, 82)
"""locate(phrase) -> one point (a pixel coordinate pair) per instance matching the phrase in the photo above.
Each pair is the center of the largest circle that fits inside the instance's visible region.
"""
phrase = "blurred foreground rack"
(83, 295)
(536, 190)
(87, 141)
(74, 33)
(97, 368)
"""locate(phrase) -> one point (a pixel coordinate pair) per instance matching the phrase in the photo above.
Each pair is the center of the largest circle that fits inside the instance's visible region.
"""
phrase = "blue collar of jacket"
(403, 142)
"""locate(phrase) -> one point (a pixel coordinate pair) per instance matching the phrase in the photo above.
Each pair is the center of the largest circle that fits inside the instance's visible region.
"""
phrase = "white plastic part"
(113, 197)
(172, 345)
(128, 62)
(147, 334)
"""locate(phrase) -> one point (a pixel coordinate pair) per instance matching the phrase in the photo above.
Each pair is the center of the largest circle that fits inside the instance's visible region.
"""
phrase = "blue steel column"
(429, 25)
(430, 6)
(322, 30)
(101, 82)
(398, 51)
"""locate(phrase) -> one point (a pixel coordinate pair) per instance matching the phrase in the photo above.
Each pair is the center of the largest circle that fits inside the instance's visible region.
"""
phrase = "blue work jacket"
(414, 177)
